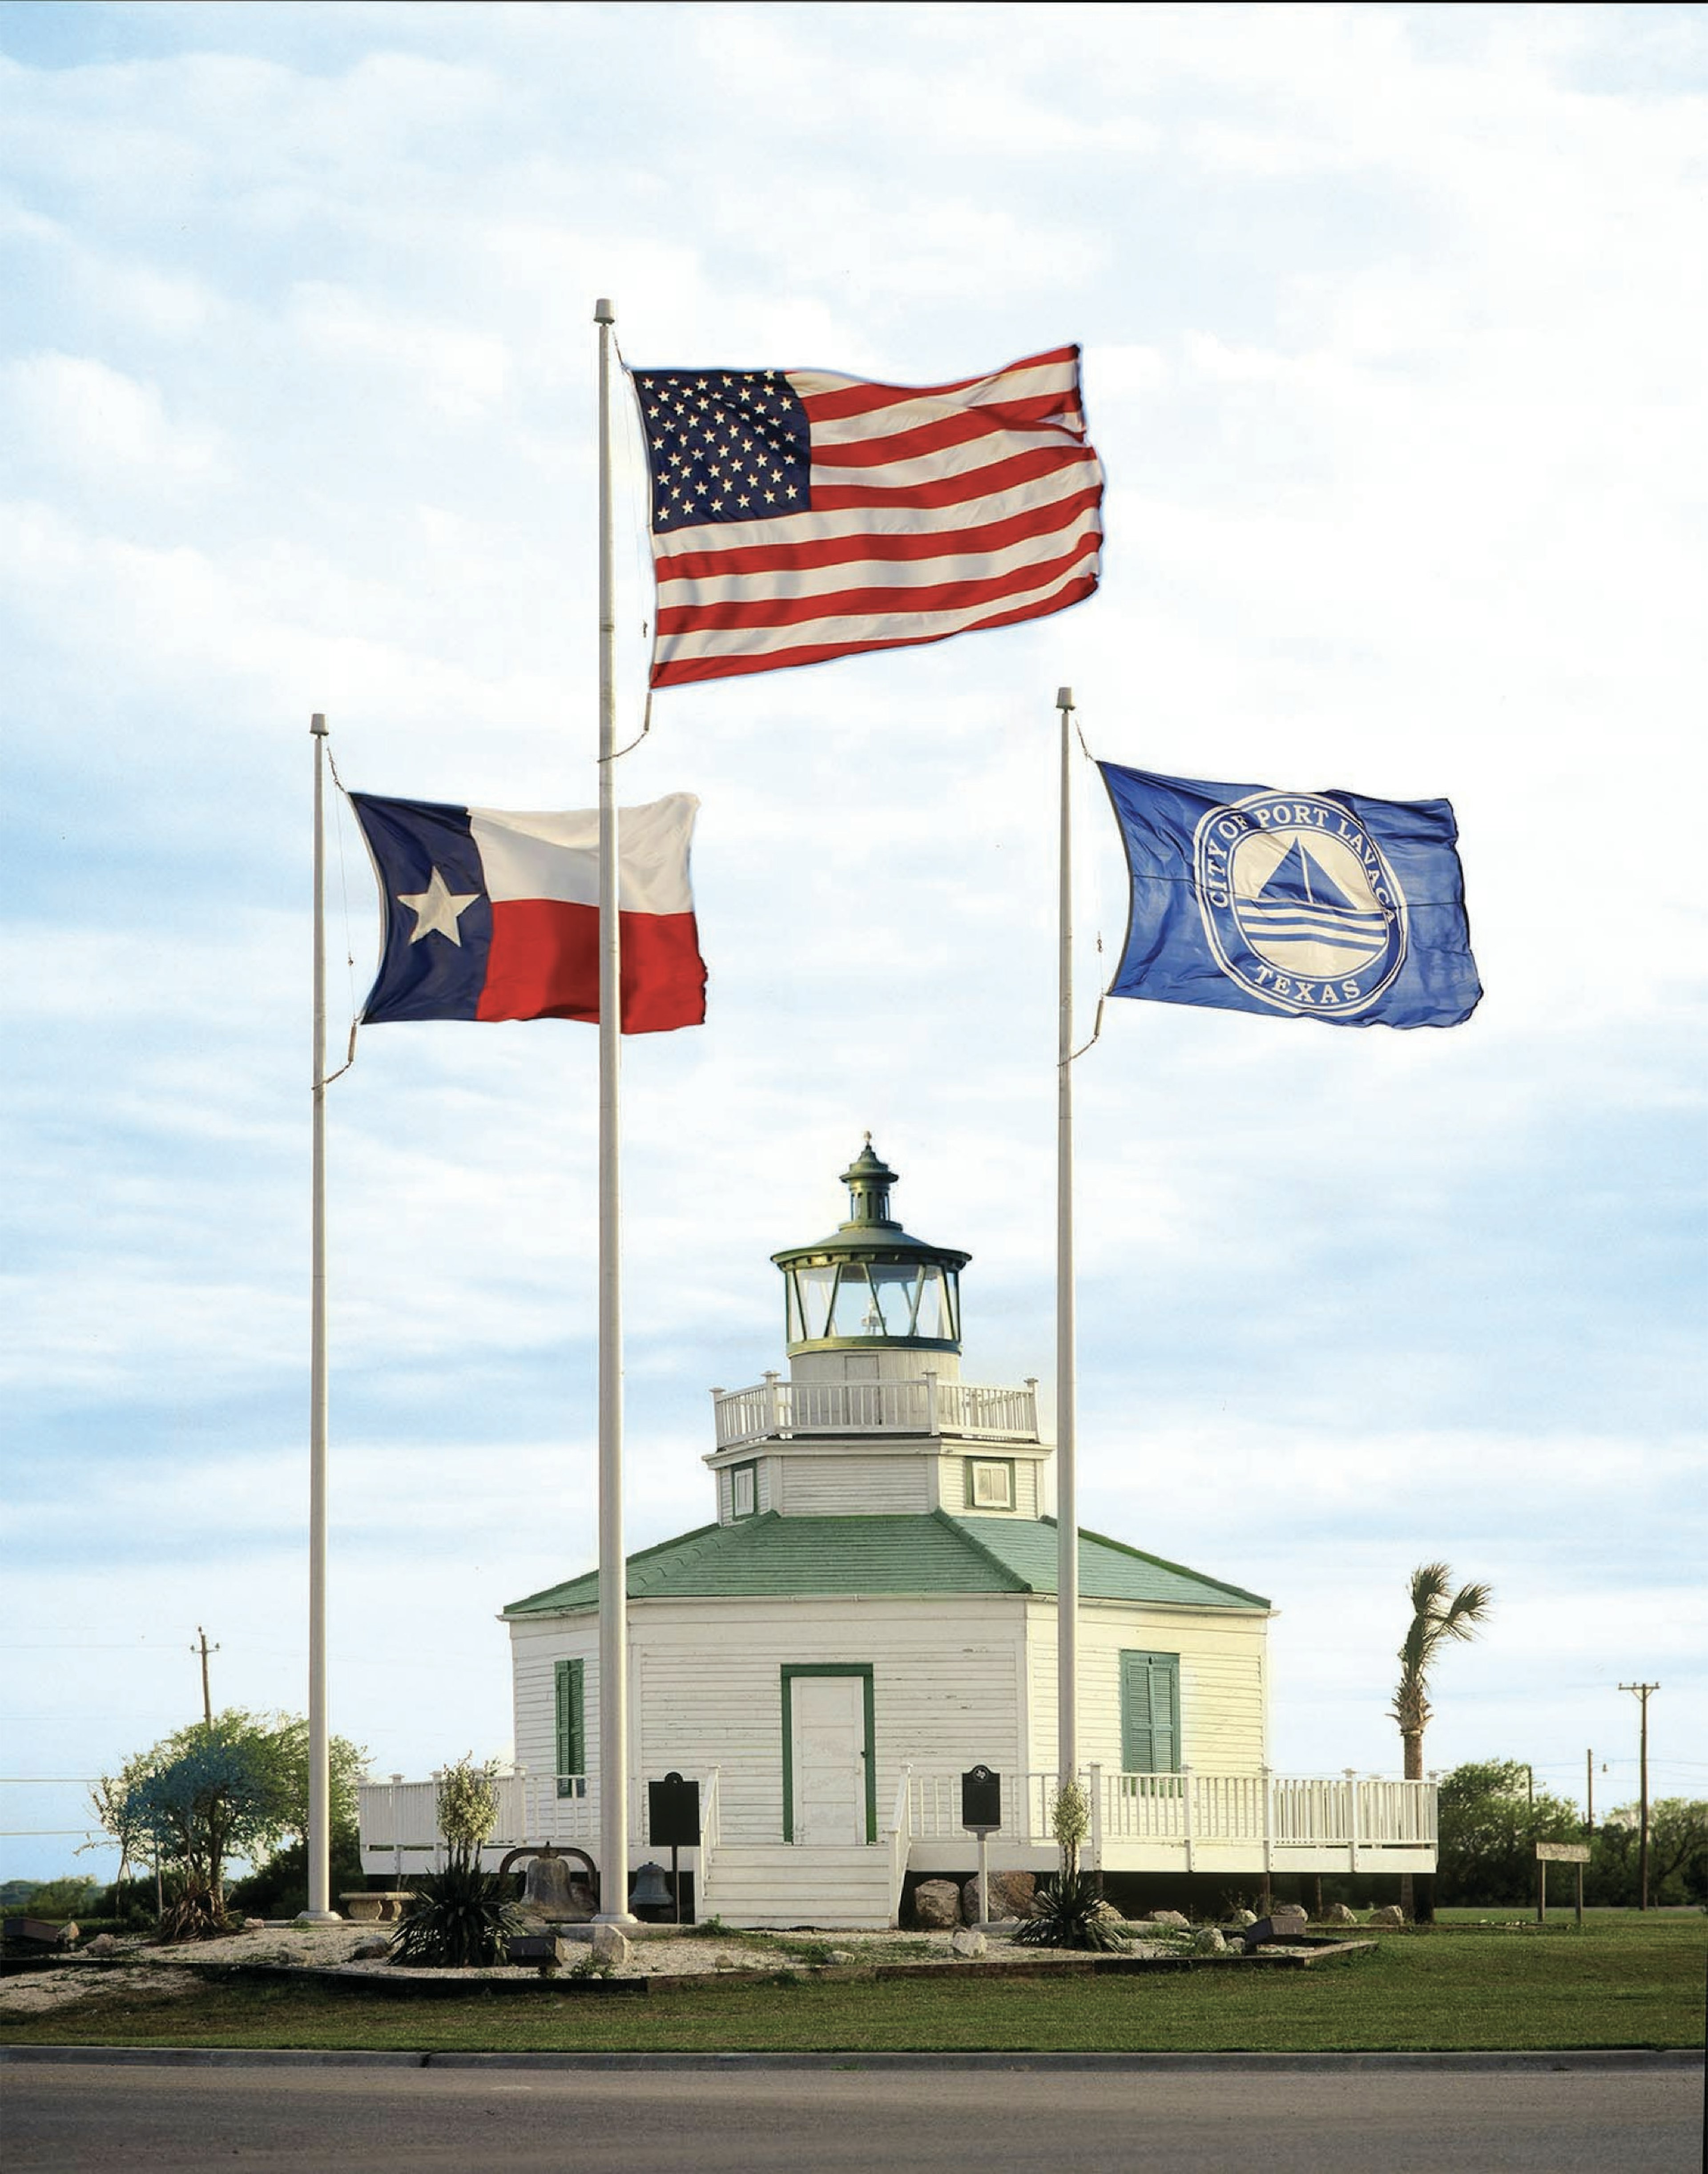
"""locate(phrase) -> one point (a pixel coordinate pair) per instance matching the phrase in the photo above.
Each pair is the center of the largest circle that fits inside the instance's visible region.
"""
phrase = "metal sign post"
(981, 1814)
(1559, 1852)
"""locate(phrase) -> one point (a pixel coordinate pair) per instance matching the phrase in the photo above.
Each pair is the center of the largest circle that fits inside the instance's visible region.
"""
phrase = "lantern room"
(870, 1286)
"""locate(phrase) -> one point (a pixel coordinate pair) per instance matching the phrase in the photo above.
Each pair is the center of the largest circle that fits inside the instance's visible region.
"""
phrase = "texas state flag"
(494, 915)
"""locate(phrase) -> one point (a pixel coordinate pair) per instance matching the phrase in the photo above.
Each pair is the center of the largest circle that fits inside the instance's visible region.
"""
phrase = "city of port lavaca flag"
(1327, 905)
(489, 915)
(798, 515)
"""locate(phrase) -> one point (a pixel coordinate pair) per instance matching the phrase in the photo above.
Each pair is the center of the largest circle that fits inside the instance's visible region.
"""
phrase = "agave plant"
(459, 1920)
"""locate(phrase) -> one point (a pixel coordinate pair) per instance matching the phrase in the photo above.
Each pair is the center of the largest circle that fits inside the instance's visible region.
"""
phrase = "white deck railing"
(777, 1410)
(1187, 1813)
(1194, 1811)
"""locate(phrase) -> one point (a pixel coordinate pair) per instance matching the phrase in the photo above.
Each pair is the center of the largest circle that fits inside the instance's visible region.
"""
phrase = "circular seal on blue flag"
(1300, 906)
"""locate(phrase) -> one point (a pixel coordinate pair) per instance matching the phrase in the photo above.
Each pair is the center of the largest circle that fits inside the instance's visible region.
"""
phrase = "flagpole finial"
(317, 726)
(603, 314)
(1064, 698)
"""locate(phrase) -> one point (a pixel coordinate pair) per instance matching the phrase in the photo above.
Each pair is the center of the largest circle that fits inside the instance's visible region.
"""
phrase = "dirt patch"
(43, 1990)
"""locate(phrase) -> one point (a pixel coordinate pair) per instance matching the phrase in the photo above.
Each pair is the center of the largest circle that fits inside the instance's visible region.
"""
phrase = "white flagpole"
(614, 1591)
(320, 1911)
(1067, 1385)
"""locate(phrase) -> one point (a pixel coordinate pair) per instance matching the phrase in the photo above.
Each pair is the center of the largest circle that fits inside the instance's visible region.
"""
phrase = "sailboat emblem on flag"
(1300, 906)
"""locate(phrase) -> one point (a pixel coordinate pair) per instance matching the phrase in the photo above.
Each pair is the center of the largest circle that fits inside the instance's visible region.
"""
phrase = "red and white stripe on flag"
(929, 510)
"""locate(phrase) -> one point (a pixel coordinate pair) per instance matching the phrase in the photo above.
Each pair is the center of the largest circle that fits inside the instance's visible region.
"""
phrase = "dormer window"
(744, 1489)
(990, 1482)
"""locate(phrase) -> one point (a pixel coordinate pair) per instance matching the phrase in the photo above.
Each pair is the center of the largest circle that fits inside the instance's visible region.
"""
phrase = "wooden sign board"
(1562, 1852)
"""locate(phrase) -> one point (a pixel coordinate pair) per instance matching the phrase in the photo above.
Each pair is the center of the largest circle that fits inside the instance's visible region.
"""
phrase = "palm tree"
(1435, 1620)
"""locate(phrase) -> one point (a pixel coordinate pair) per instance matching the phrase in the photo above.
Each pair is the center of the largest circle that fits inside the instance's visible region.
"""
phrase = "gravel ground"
(144, 1970)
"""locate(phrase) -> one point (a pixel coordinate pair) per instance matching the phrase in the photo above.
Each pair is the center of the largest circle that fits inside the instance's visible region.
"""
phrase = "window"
(572, 1728)
(1150, 1713)
(990, 1482)
(744, 1489)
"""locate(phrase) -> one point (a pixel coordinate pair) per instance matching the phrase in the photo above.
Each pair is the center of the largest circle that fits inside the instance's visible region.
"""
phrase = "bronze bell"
(652, 1895)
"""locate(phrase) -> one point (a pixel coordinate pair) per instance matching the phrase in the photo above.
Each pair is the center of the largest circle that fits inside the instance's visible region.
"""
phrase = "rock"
(1289, 1917)
(255, 1924)
(1013, 1894)
(610, 1943)
(1337, 1913)
(965, 1941)
(103, 1943)
(936, 1905)
(370, 1951)
(1244, 1916)
(1209, 1942)
(840, 1955)
(723, 1962)
(1169, 1917)
(1390, 1917)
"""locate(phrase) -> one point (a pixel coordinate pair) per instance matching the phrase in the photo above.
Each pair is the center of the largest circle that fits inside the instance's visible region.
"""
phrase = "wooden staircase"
(848, 1887)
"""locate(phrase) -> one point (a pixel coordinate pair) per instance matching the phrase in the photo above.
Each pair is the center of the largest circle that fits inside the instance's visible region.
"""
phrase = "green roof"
(927, 1555)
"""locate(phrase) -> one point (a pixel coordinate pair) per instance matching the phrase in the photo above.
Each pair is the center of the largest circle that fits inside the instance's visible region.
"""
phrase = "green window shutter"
(572, 1728)
(1150, 1712)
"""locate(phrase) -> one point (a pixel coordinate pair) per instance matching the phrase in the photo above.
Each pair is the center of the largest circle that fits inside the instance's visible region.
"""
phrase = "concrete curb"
(1602, 2060)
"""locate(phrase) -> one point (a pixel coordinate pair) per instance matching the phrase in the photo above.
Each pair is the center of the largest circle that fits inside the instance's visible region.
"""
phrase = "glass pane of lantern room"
(936, 1305)
(895, 1292)
(856, 1311)
(813, 1289)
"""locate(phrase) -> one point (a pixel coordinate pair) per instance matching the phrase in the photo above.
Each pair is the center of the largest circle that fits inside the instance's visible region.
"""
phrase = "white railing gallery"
(775, 1409)
(1191, 1810)
(1187, 1811)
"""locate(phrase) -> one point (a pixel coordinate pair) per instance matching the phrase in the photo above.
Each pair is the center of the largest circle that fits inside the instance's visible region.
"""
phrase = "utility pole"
(205, 1649)
(1589, 1792)
(1642, 1691)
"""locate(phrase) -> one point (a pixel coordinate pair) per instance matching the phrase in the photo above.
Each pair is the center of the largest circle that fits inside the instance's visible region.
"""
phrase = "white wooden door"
(827, 1739)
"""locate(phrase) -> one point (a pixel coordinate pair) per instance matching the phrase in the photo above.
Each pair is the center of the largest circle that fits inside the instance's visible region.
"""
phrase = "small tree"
(1491, 1822)
(1678, 1854)
(214, 1801)
(273, 1751)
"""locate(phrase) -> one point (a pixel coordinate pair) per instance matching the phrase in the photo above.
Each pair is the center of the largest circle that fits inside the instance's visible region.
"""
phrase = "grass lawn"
(1623, 1981)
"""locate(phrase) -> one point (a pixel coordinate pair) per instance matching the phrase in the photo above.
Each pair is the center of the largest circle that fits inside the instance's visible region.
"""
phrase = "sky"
(1392, 323)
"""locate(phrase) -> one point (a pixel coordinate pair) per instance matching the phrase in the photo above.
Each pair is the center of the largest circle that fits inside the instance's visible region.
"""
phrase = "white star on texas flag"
(437, 908)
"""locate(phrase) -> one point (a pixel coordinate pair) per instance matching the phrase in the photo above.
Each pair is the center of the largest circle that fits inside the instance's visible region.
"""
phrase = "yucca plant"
(459, 1919)
(1069, 1912)
(462, 1917)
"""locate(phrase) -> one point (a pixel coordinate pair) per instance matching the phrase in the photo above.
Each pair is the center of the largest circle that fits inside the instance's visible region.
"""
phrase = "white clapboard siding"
(826, 1888)
(811, 1486)
(1222, 1693)
(537, 1647)
(710, 1690)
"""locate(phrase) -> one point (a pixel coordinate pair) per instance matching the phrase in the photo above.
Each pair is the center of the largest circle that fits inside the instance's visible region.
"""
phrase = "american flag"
(798, 515)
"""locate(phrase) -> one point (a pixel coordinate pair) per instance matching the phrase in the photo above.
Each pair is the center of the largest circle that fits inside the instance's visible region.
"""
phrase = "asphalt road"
(68, 2119)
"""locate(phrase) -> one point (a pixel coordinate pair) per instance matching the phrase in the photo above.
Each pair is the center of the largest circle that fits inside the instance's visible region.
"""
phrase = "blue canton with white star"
(723, 445)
